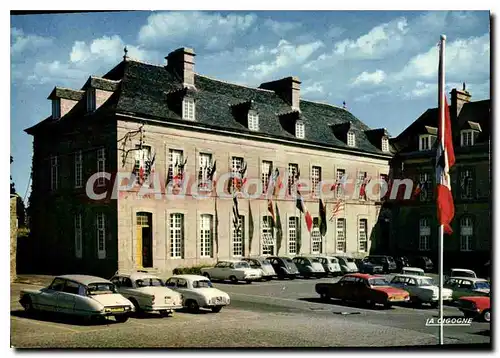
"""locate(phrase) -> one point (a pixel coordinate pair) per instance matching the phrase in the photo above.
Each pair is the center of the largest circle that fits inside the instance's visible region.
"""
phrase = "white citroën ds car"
(147, 292)
(80, 295)
(197, 291)
(232, 270)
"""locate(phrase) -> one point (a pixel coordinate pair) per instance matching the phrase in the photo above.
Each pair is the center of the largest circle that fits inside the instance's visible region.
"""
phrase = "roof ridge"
(325, 104)
(234, 84)
(105, 79)
(143, 62)
(69, 89)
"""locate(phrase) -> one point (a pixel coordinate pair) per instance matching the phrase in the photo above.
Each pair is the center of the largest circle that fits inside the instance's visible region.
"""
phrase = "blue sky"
(383, 64)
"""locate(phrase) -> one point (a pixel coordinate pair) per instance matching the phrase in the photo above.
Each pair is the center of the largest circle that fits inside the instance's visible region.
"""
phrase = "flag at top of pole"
(445, 156)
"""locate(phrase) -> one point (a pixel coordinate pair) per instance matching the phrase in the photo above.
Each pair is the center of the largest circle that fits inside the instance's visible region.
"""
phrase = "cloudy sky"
(382, 64)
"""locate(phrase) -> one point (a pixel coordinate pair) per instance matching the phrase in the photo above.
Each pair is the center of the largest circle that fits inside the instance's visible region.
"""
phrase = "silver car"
(263, 264)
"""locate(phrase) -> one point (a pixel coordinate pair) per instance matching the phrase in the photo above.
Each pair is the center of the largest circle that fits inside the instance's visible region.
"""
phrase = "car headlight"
(153, 299)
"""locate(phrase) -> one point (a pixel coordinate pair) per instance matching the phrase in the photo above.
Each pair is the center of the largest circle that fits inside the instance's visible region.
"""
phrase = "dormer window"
(188, 109)
(426, 142)
(467, 138)
(385, 144)
(351, 139)
(91, 100)
(253, 121)
(299, 129)
(56, 108)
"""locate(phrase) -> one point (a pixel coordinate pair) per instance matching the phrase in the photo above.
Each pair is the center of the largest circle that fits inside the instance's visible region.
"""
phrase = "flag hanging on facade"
(337, 209)
(271, 211)
(302, 207)
(445, 156)
(362, 190)
(322, 218)
(250, 228)
(279, 230)
(236, 214)
(211, 175)
(273, 182)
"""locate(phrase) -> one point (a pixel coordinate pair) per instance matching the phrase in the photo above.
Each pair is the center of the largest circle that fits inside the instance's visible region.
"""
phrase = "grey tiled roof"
(144, 91)
(66, 93)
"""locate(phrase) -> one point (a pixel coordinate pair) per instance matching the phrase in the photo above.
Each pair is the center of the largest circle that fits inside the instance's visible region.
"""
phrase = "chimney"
(287, 88)
(181, 62)
(458, 99)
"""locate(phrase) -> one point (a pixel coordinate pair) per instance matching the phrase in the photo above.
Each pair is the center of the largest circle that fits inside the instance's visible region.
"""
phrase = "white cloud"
(285, 55)
(57, 73)
(421, 89)
(194, 27)
(316, 87)
(21, 42)
(376, 78)
(464, 58)
(334, 31)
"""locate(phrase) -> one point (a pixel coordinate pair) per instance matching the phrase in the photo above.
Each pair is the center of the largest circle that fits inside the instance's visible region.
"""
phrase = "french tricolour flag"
(445, 157)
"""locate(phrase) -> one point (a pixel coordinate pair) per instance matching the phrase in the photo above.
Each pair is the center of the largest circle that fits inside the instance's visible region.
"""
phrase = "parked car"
(80, 295)
(422, 289)
(422, 262)
(309, 266)
(262, 264)
(284, 267)
(330, 265)
(477, 307)
(366, 266)
(387, 262)
(458, 272)
(467, 286)
(362, 288)
(232, 270)
(147, 292)
(401, 262)
(415, 271)
(198, 292)
(347, 264)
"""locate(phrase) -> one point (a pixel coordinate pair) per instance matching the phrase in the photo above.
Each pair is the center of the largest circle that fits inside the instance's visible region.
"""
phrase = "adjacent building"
(414, 222)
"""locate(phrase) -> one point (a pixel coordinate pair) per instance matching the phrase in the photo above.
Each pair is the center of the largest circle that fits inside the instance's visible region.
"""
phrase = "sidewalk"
(39, 280)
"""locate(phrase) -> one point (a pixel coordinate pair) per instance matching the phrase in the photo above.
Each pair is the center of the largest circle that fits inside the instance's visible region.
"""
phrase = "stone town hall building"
(189, 121)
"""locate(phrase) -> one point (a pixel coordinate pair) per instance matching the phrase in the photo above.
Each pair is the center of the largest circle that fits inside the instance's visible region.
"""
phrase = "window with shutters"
(425, 182)
(466, 233)
(315, 178)
(142, 156)
(188, 109)
(466, 183)
(236, 167)
(426, 141)
(363, 235)
(78, 169)
(385, 144)
(101, 166)
(359, 182)
(266, 169)
(467, 138)
(299, 129)
(176, 235)
(293, 232)
(351, 139)
(293, 169)
(341, 231)
(253, 121)
(175, 163)
(238, 237)
(267, 235)
(205, 166)
(425, 235)
(316, 237)
(78, 235)
(206, 235)
(340, 189)
(101, 235)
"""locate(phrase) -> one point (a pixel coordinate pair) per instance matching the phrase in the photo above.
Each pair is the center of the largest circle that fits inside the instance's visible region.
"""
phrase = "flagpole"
(441, 104)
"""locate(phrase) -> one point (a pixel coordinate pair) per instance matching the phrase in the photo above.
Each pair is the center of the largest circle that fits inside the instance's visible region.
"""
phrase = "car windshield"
(426, 282)
(202, 284)
(462, 273)
(482, 285)
(100, 288)
(266, 262)
(150, 281)
(349, 259)
(334, 261)
(378, 282)
(241, 264)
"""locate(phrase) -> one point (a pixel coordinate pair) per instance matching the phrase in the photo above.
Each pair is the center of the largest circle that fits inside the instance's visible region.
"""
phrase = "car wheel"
(233, 279)
(370, 303)
(324, 296)
(121, 318)
(138, 309)
(193, 306)
(206, 275)
(434, 304)
(486, 316)
(268, 278)
(387, 305)
(248, 282)
(27, 304)
(216, 309)
(291, 277)
(165, 313)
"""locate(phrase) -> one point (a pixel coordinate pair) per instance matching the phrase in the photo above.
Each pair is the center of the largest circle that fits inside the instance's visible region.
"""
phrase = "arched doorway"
(144, 247)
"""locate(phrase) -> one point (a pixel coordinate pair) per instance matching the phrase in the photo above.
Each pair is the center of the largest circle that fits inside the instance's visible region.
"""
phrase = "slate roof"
(66, 93)
(478, 112)
(150, 90)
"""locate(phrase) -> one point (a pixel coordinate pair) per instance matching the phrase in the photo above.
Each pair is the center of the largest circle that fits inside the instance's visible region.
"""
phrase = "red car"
(362, 288)
(475, 307)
